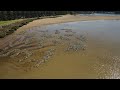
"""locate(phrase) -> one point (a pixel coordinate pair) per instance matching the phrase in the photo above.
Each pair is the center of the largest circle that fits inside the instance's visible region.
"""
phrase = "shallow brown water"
(95, 51)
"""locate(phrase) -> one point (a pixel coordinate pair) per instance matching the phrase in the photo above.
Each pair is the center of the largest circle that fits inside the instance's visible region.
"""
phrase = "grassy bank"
(8, 27)
(4, 23)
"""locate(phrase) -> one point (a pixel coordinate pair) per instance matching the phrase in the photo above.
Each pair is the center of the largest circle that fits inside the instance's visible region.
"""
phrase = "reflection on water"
(85, 49)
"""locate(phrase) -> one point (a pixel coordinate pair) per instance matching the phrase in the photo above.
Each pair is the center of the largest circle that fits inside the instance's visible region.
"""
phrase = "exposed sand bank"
(63, 19)
(62, 65)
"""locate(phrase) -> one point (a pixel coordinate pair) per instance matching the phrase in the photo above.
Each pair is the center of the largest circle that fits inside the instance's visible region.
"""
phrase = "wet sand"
(61, 65)
(63, 19)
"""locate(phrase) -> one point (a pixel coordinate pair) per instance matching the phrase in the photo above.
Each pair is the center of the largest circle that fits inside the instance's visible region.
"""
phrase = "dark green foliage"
(2, 33)
(14, 28)
(11, 15)
(21, 25)
(9, 29)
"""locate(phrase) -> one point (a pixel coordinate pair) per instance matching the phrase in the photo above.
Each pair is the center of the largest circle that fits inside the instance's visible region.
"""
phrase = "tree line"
(11, 15)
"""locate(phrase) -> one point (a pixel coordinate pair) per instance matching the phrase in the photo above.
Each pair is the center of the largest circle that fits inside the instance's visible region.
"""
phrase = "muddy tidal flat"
(72, 50)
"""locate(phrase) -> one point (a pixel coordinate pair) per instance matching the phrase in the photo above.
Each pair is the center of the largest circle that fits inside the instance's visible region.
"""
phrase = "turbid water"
(82, 49)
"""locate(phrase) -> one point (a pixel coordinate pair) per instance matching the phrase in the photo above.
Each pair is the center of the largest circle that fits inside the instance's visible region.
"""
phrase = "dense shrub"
(20, 25)
(2, 34)
(14, 28)
(11, 15)
(8, 29)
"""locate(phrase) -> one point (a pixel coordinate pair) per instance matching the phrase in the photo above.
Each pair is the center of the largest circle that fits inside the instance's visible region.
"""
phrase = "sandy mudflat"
(62, 64)
(48, 21)
(63, 19)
